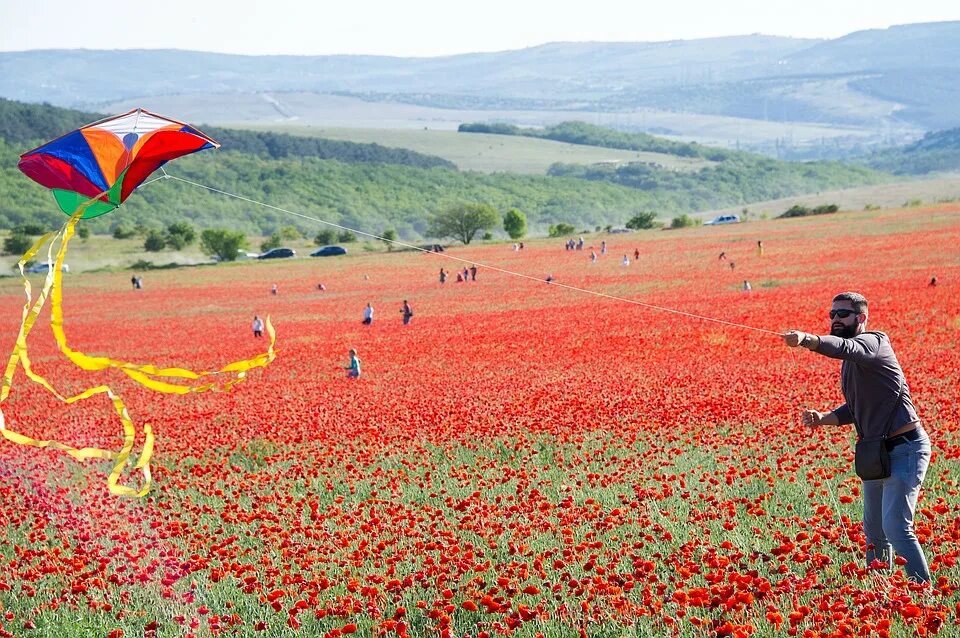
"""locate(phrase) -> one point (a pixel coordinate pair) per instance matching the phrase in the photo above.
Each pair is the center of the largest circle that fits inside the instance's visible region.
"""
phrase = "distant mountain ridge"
(775, 74)
(833, 98)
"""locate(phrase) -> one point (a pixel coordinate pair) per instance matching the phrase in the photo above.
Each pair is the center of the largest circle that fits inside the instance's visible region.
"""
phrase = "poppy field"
(522, 459)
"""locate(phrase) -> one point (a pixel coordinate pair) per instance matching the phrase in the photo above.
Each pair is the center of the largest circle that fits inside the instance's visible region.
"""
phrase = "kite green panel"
(70, 202)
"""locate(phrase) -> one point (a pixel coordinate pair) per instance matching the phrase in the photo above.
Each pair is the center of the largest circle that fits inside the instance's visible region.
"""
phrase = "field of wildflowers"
(521, 459)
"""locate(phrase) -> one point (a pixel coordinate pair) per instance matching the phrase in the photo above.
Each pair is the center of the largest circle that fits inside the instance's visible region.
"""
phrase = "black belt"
(913, 435)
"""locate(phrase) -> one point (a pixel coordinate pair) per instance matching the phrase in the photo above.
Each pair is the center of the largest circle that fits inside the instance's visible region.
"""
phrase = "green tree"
(222, 243)
(643, 220)
(683, 221)
(83, 231)
(271, 242)
(389, 236)
(154, 241)
(325, 237)
(180, 235)
(346, 237)
(463, 221)
(16, 244)
(558, 230)
(515, 224)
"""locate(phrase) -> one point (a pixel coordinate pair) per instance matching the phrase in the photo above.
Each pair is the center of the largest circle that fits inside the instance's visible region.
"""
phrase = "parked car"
(723, 219)
(44, 267)
(278, 253)
(329, 251)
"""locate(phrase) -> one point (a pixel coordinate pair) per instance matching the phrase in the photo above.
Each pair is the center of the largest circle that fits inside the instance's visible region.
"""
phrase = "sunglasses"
(843, 313)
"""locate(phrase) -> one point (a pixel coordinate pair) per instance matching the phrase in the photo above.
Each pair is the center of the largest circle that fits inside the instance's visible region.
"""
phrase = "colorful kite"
(92, 171)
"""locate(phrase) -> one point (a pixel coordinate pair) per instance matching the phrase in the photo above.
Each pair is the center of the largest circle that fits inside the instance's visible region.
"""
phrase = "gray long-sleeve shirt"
(870, 378)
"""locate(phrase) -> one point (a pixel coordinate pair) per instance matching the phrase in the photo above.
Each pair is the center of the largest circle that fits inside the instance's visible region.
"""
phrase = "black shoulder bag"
(871, 456)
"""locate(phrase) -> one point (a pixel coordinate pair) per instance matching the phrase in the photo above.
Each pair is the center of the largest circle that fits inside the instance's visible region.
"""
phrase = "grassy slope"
(489, 153)
(946, 188)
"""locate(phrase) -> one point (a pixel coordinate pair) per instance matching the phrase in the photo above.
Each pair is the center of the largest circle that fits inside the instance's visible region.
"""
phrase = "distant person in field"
(466, 274)
(626, 261)
(353, 370)
(443, 276)
(732, 265)
(407, 312)
(473, 272)
(603, 247)
(593, 257)
(368, 315)
(274, 290)
(760, 248)
(321, 287)
(878, 403)
(257, 326)
(459, 277)
(133, 282)
(723, 255)
(746, 286)
(516, 247)
(636, 254)
(521, 245)
(933, 281)
(549, 279)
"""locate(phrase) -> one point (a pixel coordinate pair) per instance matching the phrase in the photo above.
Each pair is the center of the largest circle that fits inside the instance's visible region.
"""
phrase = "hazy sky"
(430, 27)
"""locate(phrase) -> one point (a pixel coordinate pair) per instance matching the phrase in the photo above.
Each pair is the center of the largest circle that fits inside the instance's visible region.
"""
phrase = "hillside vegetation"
(937, 152)
(495, 153)
(373, 188)
(31, 124)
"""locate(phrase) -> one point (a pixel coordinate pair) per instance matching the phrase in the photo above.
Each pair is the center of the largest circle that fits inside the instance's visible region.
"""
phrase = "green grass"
(489, 153)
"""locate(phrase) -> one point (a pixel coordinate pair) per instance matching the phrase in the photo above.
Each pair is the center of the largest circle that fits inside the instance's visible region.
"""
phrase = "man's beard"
(844, 331)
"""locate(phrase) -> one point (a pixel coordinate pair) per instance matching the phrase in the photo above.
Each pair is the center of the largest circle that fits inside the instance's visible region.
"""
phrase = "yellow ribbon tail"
(143, 374)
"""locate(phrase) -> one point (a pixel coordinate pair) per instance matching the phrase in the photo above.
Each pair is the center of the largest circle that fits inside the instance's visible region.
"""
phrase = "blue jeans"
(889, 504)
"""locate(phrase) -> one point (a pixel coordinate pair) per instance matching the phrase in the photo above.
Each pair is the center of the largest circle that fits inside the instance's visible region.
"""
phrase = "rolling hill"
(867, 88)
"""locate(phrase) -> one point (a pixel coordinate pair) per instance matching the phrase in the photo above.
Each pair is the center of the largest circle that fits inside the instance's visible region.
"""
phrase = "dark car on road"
(329, 251)
(278, 253)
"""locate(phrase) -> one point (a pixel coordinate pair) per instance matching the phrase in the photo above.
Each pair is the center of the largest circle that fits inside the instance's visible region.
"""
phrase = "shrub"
(825, 209)
(683, 221)
(345, 236)
(558, 230)
(155, 241)
(29, 228)
(799, 210)
(16, 244)
(83, 231)
(325, 237)
(180, 235)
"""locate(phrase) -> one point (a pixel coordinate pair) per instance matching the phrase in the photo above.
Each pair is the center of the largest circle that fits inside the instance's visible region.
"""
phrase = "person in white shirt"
(368, 315)
(257, 326)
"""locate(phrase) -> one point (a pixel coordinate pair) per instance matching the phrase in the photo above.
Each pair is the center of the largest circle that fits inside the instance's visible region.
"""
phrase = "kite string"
(460, 259)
